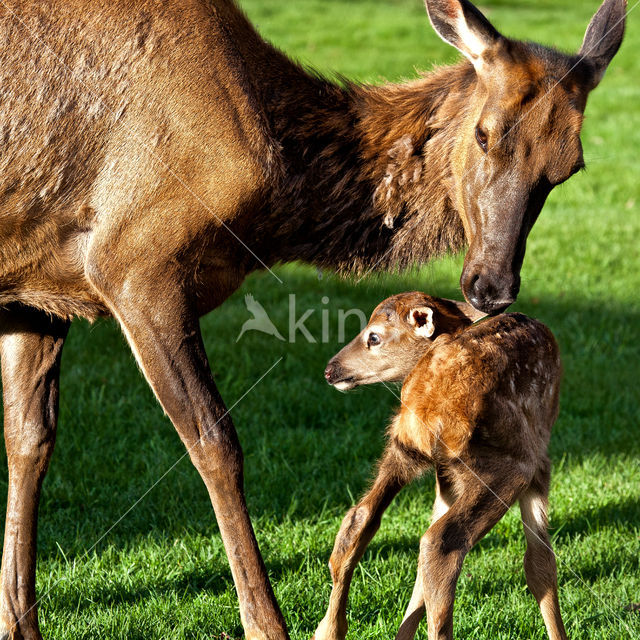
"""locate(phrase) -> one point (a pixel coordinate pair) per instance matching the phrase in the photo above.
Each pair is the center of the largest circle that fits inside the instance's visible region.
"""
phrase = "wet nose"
(328, 372)
(490, 293)
(332, 372)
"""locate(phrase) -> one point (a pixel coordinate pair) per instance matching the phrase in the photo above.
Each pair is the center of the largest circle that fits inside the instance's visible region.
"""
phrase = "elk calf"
(478, 404)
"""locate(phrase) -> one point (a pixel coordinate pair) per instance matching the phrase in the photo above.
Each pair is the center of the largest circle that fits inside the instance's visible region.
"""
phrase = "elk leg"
(163, 332)
(416, 608)
(539, 560)
(30, 346)
(482, 501)
(396, 469)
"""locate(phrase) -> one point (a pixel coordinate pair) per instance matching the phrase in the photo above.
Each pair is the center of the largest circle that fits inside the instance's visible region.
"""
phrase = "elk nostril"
(475, 286)
(482, 292)
(491, 292)
(328, 372)
(474, 291)
(471, 289)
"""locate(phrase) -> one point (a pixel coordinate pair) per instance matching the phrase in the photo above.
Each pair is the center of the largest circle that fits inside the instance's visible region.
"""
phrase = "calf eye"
(482, 139)
(373, 340)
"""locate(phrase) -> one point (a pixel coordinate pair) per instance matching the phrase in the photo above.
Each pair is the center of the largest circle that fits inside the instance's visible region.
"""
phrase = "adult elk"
(155, 153)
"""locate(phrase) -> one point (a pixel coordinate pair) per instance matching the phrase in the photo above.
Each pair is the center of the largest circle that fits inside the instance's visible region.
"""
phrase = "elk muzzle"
(488, 290)
(490, 279)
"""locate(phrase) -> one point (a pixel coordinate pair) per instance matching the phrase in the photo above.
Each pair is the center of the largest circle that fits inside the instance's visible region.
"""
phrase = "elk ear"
(604, 37)
(421, 319)
(462, 25)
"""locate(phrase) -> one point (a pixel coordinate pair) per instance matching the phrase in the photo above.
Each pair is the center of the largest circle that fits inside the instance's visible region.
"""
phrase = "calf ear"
(421, 319)
(604, 37)
(462, 25)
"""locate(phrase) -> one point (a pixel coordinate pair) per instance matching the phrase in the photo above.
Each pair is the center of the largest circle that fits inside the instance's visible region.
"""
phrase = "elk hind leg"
(483, 499)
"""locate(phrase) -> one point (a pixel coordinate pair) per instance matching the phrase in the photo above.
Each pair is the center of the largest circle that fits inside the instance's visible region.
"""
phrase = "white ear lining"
(426, 329)
(463, 26)
(474, 46)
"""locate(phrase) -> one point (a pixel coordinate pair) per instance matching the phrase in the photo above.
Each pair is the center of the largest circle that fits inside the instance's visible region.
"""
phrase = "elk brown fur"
(155, 153)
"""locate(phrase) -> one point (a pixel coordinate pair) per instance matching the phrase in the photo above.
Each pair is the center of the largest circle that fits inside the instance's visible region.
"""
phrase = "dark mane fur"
(365, 170)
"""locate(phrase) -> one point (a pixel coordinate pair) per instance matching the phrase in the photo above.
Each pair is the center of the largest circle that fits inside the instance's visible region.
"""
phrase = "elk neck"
(367, 170)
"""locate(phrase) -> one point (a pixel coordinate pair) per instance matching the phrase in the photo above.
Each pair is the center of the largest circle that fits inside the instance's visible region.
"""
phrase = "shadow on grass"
(192, 582)
(213, 581)
(610, 515)
(306, 452)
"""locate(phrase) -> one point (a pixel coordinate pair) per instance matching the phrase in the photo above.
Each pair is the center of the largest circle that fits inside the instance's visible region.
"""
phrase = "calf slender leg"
(30, 346)
(481, 503)
(163, 331)
(397, 468)
(539, 559)
(416, 608)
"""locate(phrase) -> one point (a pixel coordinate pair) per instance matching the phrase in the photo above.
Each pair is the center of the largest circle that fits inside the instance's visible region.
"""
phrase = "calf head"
(400, 331)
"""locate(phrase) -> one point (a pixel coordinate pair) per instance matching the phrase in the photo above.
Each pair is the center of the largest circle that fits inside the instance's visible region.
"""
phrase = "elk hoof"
(8, 634)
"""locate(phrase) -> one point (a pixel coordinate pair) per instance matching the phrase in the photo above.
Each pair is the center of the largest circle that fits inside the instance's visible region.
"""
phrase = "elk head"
(520, 136)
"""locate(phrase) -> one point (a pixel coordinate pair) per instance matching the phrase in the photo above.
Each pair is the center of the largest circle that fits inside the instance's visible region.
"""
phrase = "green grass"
(161, 571)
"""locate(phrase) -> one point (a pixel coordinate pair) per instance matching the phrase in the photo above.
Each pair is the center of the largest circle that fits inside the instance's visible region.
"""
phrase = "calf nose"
(332, 372)
(328, 372)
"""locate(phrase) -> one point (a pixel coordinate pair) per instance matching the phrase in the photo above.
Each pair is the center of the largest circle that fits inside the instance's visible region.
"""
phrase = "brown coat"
(477, 406)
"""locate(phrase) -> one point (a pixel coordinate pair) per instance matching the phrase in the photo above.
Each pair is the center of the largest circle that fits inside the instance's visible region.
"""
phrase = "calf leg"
(539, 559)
(396, 469)
(30, 346)
(482, 501)
(415, 611)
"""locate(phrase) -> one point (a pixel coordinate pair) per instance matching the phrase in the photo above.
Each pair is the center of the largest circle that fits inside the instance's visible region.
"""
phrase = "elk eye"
(373, 340)
(482, 139)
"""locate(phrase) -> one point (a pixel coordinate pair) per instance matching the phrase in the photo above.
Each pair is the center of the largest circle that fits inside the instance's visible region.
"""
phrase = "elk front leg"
(30, 346)
(163, 332)
(416, 608)
(483, 499)
(396, 469)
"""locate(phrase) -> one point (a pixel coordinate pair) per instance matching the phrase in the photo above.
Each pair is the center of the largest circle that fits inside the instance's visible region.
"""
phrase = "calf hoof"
(328, 631)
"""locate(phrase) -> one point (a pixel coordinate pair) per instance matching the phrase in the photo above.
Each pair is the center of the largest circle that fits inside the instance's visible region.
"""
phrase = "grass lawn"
(161, 572)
